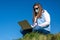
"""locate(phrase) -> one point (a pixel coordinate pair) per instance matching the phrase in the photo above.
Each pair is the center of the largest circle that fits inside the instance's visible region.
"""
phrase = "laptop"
(25, 25)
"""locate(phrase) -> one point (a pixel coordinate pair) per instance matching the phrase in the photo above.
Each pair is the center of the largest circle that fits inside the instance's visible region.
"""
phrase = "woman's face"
(36, 9)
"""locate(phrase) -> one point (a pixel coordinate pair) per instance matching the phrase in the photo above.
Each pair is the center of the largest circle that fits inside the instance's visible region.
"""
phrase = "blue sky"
(13, 11)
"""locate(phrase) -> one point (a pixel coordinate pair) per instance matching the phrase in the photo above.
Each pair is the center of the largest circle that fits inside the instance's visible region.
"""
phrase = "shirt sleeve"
(47, 19)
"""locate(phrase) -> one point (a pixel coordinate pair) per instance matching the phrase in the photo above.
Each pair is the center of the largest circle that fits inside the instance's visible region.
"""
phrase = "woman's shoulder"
(45, 11)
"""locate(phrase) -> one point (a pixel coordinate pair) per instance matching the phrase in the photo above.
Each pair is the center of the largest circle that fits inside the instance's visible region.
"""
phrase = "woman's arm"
(47, 19)
(35, 23)
(35, 19)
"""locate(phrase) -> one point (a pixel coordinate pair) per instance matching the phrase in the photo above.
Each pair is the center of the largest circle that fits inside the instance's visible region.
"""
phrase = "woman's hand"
(35, 24)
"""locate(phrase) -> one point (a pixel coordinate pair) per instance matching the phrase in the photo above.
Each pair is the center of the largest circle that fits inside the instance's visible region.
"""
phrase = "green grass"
(39, 36)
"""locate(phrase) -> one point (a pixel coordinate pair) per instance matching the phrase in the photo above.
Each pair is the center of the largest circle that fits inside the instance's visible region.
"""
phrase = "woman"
(41, 19)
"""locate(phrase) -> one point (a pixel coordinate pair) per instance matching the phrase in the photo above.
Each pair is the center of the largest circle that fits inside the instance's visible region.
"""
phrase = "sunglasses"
(36, 9)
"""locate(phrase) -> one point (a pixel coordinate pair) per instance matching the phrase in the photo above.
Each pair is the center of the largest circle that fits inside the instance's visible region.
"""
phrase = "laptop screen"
(24, 24)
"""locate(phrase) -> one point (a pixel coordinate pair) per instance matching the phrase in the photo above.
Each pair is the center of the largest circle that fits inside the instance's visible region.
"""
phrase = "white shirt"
(44, 21)
(46, 18)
